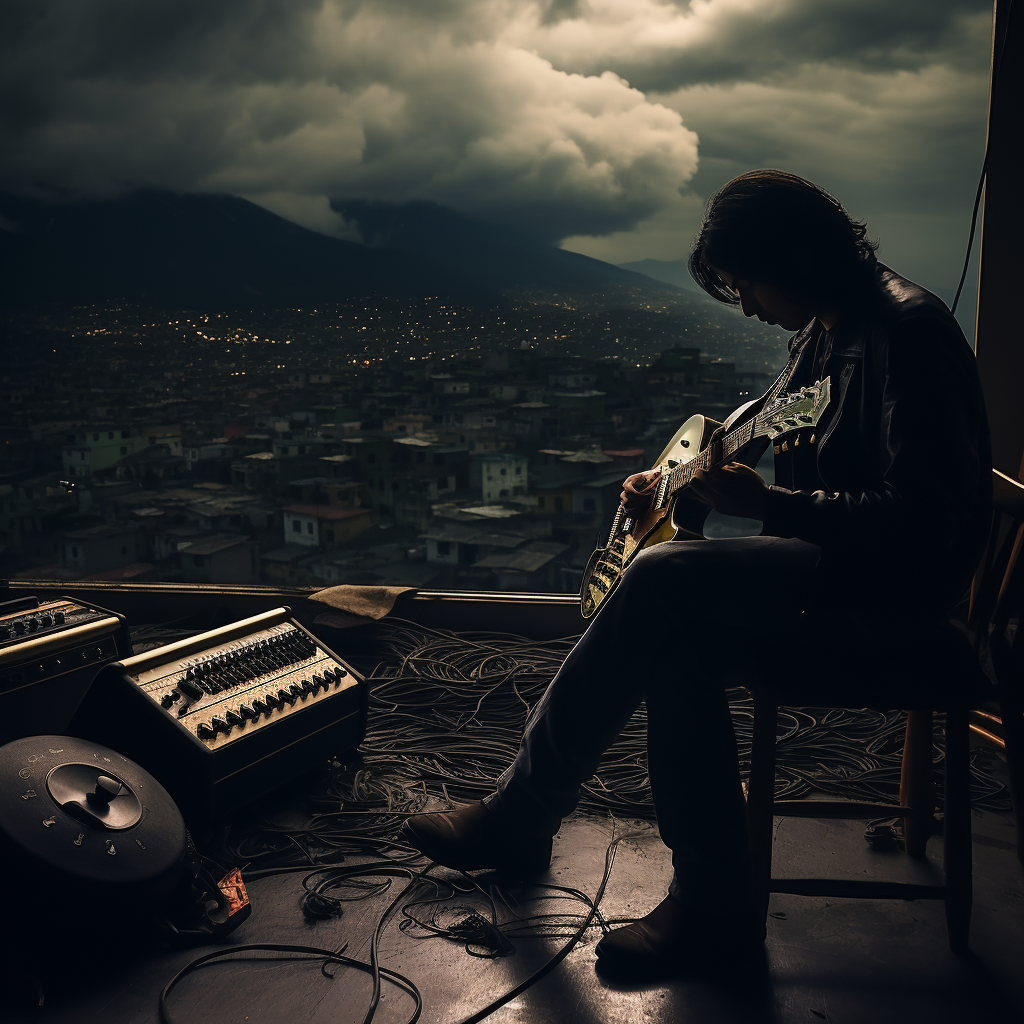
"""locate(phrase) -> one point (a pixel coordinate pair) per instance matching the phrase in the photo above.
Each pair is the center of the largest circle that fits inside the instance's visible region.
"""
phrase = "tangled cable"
(447, 711)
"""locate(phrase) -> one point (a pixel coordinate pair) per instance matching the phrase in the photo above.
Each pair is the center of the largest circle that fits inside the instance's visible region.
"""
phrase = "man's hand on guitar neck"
(732, 489)
(637, 491)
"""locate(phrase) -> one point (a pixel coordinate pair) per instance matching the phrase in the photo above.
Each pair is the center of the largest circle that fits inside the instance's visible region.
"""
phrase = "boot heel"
(528, 866)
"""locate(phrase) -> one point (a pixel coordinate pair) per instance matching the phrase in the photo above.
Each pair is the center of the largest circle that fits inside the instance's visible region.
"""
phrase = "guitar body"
(682, 519)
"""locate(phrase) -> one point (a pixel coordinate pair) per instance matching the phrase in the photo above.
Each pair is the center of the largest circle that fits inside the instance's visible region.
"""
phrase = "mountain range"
(221, 251)
(667, 271)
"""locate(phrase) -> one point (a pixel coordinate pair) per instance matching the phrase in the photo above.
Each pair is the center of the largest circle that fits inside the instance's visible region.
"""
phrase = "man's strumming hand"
(637, 491)
(732, 489)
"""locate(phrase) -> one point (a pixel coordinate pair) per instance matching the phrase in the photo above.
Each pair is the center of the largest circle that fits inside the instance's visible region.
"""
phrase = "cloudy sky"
(601, 125)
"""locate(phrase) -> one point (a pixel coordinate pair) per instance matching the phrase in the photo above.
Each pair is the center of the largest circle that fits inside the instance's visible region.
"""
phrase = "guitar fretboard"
(715, 454)
(730, 444)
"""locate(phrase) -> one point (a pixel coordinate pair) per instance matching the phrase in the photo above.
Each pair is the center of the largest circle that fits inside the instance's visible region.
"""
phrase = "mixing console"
(220, 716)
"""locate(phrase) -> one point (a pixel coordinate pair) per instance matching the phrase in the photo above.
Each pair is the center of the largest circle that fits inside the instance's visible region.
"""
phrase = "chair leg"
(1011, 709)
(917, 788)
(760, 799)
(956, 852)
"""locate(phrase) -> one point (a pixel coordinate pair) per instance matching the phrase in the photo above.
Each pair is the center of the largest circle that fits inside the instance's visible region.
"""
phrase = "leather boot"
(475, 837)
(674, 939)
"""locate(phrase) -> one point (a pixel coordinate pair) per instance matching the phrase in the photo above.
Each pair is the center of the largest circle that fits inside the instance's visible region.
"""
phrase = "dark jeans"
(687, 619)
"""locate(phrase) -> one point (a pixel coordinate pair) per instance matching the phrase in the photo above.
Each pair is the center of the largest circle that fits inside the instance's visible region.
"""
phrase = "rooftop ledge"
(536, 615)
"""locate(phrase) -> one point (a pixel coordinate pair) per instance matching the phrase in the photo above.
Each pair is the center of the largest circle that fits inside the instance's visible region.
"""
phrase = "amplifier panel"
(49, 653)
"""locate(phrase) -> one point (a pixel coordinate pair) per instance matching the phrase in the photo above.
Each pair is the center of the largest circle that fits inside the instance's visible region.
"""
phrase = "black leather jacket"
(899, 493)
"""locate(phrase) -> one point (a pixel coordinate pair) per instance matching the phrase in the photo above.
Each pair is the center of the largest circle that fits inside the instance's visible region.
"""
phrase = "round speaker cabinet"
(85, 833)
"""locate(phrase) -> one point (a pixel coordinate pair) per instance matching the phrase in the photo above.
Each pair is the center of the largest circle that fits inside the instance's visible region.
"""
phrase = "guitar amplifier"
(222, 716)
(50, 651)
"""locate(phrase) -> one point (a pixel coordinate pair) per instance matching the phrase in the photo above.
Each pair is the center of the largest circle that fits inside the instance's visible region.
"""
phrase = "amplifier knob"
(5, 633)
(204, 732)
(287, 695)
(220, 725)
(58, 618)
(259, 706)
(248, 713)
(169, 698)
(19, 627)
(274, 701)
(233, 718)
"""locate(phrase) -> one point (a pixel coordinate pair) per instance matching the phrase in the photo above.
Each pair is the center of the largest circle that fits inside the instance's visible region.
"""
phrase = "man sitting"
(879, 536)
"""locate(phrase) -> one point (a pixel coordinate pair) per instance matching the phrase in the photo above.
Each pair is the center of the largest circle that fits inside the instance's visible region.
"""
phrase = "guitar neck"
(721, 451)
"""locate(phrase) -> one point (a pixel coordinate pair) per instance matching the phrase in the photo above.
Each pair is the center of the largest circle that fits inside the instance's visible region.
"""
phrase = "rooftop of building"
(326, 511)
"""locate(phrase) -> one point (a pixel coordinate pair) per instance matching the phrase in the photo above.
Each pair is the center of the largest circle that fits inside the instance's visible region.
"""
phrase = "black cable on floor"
(330, 956)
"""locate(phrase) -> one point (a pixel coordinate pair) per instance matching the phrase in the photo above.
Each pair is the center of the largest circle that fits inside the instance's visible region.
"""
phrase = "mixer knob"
(190, 689)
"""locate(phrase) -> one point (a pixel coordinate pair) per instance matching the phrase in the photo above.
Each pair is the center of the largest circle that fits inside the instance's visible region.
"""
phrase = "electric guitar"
(675, 515)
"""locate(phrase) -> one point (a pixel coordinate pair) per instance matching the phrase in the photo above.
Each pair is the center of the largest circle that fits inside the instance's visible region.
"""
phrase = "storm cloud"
(378, 100)
(602, 123)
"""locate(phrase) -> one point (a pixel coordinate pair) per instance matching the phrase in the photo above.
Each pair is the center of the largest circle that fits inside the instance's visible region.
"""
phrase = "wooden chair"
(997, 598)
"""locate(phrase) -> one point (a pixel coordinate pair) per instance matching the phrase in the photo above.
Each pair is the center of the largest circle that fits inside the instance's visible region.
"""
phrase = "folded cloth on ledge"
(370, 602)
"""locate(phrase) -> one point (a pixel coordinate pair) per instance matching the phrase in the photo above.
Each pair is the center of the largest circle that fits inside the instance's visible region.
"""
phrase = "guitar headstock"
(803, 408)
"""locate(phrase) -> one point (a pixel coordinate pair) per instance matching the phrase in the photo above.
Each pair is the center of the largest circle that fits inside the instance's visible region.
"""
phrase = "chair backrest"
(992, 592)
(995, 622)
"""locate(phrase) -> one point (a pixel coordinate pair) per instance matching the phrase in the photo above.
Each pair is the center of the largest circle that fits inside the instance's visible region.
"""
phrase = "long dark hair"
(772, 227)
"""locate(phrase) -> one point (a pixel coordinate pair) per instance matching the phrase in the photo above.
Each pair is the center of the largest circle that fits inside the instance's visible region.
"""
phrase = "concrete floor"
(846, 962)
